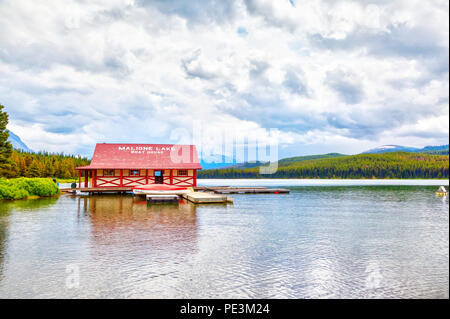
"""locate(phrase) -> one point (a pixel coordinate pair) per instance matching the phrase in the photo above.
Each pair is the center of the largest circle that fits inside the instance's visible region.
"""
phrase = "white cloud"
(330, 75)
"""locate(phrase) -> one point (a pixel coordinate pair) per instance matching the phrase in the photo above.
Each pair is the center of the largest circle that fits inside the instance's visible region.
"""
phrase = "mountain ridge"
(438, 149)
(17, 143)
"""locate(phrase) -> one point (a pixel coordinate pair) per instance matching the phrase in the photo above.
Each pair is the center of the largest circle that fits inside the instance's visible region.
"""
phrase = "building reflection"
(127, 222)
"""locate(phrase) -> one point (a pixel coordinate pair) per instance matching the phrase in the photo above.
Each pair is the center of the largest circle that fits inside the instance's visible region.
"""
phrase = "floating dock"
(215, 190)
(162, 199)
(194, 197)
(206, 198)
(242, 190)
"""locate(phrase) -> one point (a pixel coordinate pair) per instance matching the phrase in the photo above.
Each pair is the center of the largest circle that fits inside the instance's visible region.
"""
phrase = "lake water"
(326, 239)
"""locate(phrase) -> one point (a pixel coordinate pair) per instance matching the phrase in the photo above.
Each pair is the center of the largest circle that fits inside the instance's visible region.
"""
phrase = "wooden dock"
(194, 197)
(242, 190)
(215, 190)
(206, 198)
(201, 194)
(151, 199)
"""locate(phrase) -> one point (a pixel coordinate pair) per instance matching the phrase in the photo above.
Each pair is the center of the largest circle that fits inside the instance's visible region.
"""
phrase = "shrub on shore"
(18, 188)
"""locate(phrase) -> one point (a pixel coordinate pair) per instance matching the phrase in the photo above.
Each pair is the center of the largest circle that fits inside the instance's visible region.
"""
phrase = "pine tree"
(34, 170)
(5, 145)
(67, 174)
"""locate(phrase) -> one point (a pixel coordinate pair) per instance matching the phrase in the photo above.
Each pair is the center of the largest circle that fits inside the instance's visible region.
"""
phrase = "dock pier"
(206, 198)
(241, 190)
(200, 194)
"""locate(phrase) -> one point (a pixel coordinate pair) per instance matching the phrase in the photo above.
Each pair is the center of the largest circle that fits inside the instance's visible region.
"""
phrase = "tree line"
(42, 164)
(16, 163)
(388, 165)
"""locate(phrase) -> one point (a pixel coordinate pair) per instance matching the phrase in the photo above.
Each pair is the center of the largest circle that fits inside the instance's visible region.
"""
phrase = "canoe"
(160, 189)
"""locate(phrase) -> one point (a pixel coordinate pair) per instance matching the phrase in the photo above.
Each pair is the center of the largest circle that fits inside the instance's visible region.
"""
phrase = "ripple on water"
(316, 242)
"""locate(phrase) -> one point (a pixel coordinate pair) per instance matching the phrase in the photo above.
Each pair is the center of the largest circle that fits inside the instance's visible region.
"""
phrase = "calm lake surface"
(326, 239)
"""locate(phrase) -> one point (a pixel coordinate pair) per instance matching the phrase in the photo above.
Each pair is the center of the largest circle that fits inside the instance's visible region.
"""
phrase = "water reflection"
(130, 220)
(26, 204)
(136, 249)
(316, 242)
(6, 206)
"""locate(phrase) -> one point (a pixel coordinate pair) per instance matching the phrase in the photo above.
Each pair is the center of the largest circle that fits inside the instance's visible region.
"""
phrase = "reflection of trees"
(26, 204)
(124, 220)
(17, 205)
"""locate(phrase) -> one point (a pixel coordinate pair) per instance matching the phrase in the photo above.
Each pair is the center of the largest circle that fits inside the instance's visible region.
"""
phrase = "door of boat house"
(159, 177)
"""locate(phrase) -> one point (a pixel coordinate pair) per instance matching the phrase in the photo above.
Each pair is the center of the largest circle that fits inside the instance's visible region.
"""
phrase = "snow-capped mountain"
(17, 143)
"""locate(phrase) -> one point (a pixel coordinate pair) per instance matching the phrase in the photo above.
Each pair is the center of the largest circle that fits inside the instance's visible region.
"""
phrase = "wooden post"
(79, 178)
(146, 176)
(121, 177)
(195, 177)
(94, 178)
(86, 178)
(171, 177)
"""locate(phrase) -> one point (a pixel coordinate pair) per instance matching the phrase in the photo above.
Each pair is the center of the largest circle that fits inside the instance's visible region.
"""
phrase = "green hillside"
(292, 160)
(387, 165)
(283, 162)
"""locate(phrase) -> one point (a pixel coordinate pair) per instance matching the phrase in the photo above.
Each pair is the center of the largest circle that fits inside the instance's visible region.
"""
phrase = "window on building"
(182, 172)
(108, 172)
(134, 172)
(158, 173)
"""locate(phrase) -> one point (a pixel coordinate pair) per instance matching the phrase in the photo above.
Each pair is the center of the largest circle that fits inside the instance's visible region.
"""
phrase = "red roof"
(142, 156)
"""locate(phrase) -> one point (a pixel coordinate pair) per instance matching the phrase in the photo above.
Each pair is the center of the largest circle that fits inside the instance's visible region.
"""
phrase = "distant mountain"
(17, 143)
(215, 161)
(246, 165)
(220, 162)
(438, 150)
(441, 149)
(213, 165)
(391, 148)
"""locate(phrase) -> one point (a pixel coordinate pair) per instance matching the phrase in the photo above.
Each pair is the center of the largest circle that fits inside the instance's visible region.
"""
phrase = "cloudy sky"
(330, 76)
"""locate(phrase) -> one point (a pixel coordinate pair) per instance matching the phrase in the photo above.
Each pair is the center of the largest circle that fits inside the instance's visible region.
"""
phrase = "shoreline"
(333, 179)
(322, 182)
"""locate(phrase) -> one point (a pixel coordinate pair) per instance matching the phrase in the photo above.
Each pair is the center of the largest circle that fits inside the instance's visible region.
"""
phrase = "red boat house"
(129, 165)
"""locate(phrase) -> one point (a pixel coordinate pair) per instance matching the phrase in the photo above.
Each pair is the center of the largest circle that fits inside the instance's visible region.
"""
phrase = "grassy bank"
(18, 188)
